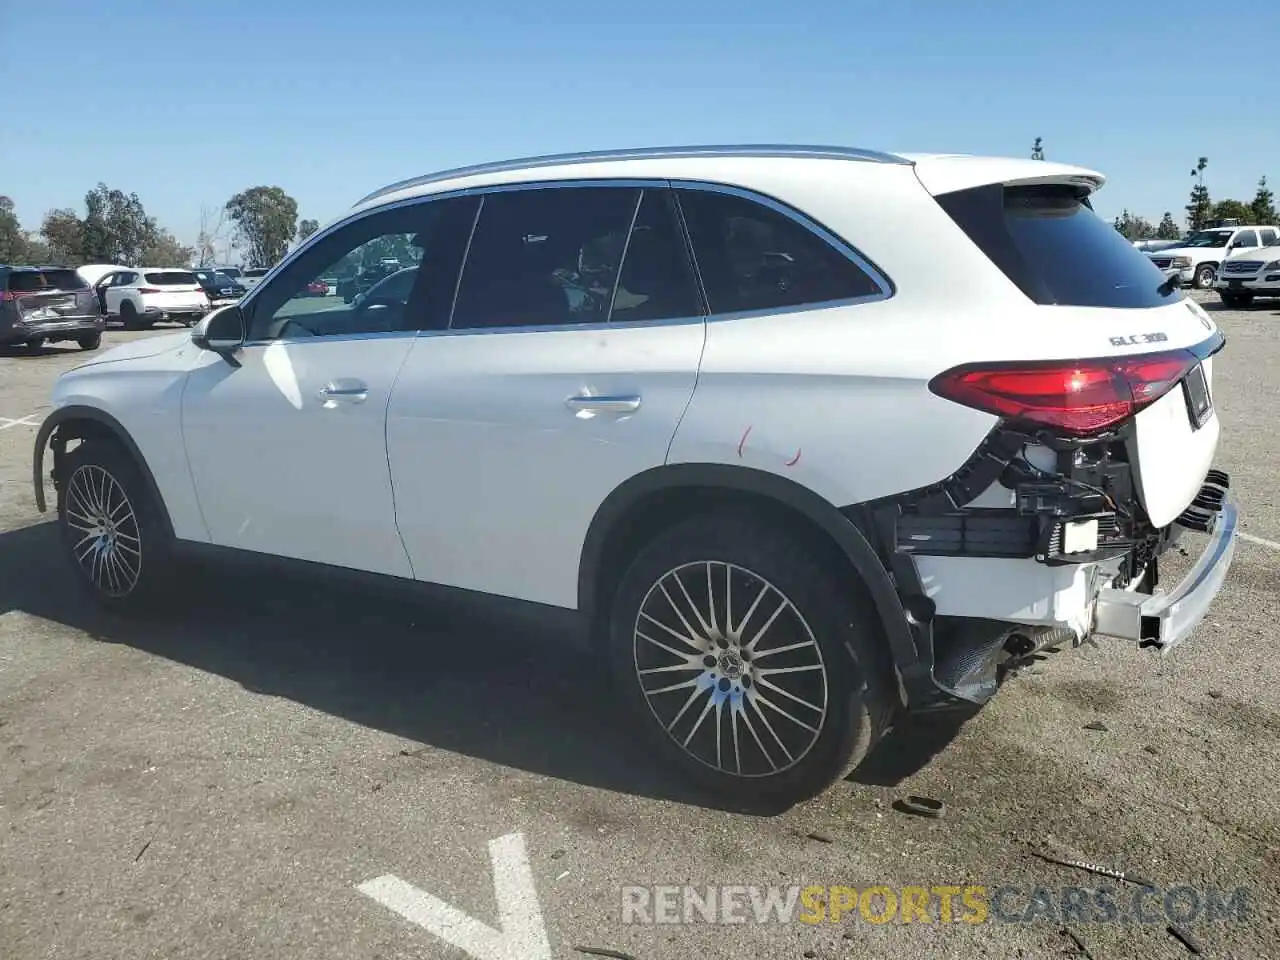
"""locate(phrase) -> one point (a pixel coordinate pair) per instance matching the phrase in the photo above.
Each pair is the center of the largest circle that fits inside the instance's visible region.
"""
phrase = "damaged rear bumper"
(1164, 620)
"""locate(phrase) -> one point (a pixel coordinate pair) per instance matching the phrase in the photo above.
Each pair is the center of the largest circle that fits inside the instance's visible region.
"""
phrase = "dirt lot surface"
(218, 785)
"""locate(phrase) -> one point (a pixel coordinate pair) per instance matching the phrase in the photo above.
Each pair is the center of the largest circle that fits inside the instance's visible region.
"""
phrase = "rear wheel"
(750, 666)
(34, 345)
(1236, 300)
(131, 319)
(90, 342)
(1204, 277)
(113, 527)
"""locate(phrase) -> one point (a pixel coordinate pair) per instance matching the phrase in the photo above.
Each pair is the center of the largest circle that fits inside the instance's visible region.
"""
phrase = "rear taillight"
(1075, 397)
(9, 296)
(150, 290)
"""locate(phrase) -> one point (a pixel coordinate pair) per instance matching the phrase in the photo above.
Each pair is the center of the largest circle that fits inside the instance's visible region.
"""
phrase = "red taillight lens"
(9, 296)
(150, 290)
(1075, 397)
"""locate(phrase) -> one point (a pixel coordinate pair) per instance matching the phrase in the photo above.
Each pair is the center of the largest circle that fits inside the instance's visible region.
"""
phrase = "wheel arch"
(82, 422)
(640, 507)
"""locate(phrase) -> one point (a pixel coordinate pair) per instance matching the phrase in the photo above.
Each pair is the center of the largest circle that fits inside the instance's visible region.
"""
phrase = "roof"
(785, 151)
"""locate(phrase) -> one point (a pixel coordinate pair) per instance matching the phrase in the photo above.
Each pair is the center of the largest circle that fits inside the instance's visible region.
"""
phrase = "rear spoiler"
(948, 174)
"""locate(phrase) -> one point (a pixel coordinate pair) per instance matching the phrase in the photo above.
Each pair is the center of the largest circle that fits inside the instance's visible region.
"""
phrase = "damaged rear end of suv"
(1101, 458)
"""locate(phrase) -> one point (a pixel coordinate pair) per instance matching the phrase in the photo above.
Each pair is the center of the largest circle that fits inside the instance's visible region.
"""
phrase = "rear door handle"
(344, 390)
(607, 404)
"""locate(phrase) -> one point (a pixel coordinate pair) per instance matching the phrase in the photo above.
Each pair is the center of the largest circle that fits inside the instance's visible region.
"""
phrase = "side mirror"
(222, 332)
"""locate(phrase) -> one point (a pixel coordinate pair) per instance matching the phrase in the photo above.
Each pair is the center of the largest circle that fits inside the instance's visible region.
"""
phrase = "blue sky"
(331, 100)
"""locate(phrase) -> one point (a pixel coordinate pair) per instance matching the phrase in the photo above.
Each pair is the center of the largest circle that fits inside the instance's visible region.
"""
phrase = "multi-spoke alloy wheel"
(751, 660)
(730, 668)
(105, 538)
(115, 529)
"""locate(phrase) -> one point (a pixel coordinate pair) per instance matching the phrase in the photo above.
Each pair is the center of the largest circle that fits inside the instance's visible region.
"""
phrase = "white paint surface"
(521, 934)
(29, 421)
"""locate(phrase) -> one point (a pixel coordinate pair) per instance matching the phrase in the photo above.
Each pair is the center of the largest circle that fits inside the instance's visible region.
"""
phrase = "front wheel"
(750, 665)
(113, 527)
(1204, 277)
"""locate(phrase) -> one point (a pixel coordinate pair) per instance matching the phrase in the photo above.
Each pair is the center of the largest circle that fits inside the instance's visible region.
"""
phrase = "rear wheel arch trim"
(787, 493)
(72, 413)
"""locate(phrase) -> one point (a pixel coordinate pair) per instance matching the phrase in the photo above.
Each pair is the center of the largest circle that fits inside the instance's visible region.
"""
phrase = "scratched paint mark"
(794, 460)
(745, 433)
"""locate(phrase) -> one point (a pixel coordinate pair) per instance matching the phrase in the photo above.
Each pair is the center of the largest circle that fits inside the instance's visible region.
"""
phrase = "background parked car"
(48, 304)
(140, 297)
(1252, 273)
(1197, 256)
(218, 286)
(253, 275)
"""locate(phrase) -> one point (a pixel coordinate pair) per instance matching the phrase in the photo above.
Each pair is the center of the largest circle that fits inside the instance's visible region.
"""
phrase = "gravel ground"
(218, 785)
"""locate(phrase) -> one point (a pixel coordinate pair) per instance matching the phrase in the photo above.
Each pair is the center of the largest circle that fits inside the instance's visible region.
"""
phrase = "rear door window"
(1269, 237)
(41, 281)
(752, 257)
(1050, 243)
(544, 257)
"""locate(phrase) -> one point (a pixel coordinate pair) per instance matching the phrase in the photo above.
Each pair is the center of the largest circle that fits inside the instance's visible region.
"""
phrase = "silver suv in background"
(48, 304)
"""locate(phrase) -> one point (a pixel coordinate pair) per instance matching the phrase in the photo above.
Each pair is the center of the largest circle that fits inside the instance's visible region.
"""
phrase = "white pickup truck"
(1196, 258)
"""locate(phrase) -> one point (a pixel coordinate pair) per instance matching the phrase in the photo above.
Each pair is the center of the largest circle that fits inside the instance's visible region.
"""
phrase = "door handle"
(614, 404)
(344, 391)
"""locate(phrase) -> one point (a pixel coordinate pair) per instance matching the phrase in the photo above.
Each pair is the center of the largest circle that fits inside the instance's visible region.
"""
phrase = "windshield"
(1207, 238)
(171, 279)
(38, 281)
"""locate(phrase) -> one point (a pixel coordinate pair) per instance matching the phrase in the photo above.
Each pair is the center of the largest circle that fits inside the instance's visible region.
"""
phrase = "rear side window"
(1048, 241)
(37, 281)
(752, 257)
(171, 279)
(1268, 237)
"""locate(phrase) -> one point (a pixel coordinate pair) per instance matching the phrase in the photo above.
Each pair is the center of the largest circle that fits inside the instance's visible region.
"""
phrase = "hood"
(150, 347)
(1185, 252)
(1265, 254)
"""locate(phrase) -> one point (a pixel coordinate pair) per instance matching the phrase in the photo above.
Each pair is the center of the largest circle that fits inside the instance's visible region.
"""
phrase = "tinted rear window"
(35, 281)
(171, 279)
(1049, 242)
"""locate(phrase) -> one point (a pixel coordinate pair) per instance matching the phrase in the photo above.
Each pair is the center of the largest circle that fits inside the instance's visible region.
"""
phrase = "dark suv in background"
(48, 304)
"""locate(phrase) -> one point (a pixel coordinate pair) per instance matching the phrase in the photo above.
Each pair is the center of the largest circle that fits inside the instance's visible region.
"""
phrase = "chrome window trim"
(878, 277)
(728, 151)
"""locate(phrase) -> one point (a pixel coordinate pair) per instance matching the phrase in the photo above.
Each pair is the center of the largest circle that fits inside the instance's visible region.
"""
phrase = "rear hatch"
(50, 294)
(1110, 343)
(175, 290)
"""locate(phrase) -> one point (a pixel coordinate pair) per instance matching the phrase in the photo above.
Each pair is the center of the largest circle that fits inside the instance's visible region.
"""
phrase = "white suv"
(1195, 258)
(140, 296)
(719, 412)
(1249, 274)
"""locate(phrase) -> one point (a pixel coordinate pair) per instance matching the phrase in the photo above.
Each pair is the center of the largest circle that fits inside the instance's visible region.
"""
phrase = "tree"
(63, 234)
(116, 228)
(1199, 208)
(266, 220)
(1263, 209)
(164, 250)
(1232, 210)
(13, 241)
(1133, 227)
(1168, 228)
(1037, 150)
(211, 234)
(306, 228)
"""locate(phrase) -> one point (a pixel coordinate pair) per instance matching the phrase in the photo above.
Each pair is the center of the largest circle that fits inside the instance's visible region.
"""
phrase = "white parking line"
(1260, 541)
(27, 421)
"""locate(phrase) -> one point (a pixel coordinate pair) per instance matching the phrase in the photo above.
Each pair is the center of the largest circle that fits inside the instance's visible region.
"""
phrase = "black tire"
(90, 342)
(1236, 301)
(133, 575)
(131, 319)
(1204, 276)
(34, 346)
(828, 619)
